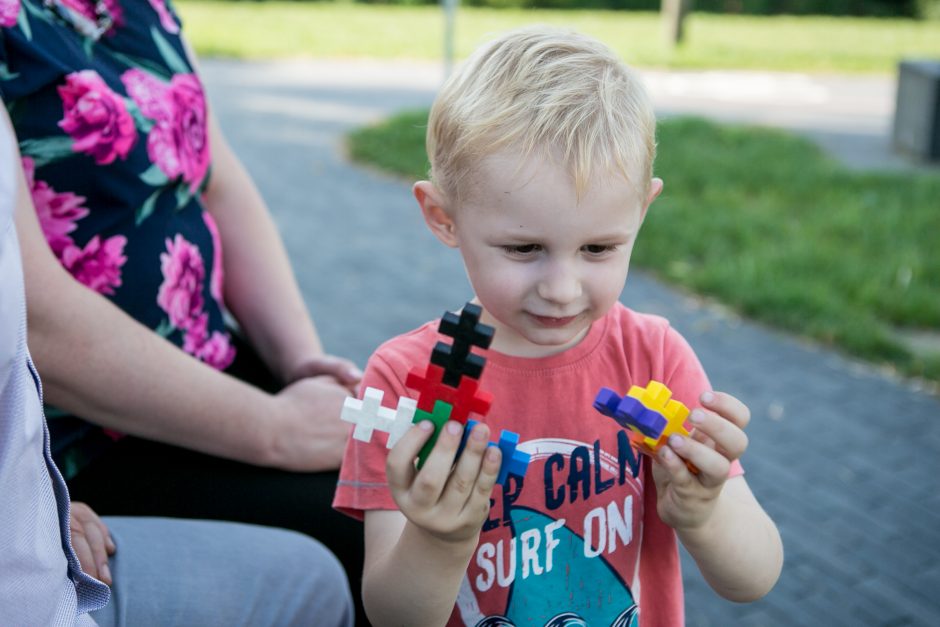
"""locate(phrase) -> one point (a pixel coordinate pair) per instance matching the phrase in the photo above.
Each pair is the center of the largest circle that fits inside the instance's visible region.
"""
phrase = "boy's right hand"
(446, 501)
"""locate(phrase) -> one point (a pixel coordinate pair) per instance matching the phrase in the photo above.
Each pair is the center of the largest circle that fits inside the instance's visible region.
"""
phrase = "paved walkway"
(845, 459)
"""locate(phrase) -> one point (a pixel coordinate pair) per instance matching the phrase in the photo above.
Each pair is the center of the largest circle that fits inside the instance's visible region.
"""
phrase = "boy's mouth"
(553, 322)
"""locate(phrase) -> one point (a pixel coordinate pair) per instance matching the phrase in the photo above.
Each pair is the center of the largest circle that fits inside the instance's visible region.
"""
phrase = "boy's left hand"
(685, 501)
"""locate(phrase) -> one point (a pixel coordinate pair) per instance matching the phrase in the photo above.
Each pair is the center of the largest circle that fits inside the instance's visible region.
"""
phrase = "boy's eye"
(522, 249)
(598, 249)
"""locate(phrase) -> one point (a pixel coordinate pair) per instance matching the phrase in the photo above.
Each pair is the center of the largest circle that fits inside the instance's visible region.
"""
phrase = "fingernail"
(676, 441)
(697, 416)
(105, 573)
(492, 453)
(426, 425)
(478, 433)
(355, 373)
(665, 453)
(707, 397)
(454, 427)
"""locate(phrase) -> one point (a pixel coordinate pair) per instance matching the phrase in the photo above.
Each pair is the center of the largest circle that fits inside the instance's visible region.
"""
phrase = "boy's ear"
(431, 202)
(656, 188)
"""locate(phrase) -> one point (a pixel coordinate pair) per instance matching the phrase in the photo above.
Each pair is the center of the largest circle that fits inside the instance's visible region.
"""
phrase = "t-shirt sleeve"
(686, 377)
(362, 484)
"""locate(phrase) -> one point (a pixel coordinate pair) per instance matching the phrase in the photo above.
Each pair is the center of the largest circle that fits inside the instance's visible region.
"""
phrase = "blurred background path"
(844, 457)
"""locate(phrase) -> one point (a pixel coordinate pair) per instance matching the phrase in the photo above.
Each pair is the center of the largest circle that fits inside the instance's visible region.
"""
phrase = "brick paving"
(845, 458)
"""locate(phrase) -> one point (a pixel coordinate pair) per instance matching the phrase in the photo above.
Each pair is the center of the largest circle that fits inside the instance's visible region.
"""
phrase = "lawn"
(776, 230)
(277, 29)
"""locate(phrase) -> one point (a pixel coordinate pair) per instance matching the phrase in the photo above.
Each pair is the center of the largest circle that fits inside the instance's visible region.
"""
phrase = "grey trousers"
(205, 573)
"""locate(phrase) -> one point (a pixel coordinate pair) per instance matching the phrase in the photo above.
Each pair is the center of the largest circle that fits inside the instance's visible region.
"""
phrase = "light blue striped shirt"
(41, 582)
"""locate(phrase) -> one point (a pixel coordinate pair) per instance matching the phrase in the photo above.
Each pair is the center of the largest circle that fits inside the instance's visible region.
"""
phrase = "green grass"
(277, 29)
(762, 221)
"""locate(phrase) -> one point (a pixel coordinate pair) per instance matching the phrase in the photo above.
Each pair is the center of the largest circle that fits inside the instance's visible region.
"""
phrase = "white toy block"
(369, 415)
(404, 416)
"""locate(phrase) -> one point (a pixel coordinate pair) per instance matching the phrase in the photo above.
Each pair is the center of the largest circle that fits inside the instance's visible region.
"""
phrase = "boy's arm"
(416, 558)
(734, 542)
(410, 577)
(738, 550)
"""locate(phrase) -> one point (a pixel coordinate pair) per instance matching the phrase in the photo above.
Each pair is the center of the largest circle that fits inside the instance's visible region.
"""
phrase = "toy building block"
(457, 360)
(640, 411)
(514, 461)
(368, 415)
(465, 399)
(630, 413)
(439, 416)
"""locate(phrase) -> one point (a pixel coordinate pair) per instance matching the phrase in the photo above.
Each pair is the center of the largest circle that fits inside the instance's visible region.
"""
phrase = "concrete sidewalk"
(846, 459)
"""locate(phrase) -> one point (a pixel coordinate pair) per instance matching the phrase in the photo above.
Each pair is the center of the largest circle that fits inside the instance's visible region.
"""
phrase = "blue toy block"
(514, 461)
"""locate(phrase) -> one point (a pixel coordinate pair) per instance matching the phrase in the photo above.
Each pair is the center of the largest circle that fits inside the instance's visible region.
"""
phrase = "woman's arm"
(95, 360)
(98, 362)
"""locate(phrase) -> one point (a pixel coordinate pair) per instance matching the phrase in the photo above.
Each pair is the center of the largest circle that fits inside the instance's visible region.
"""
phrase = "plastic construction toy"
(467, 331)
(650, 413)
(465, 399)
(514, 461)
(448, 389)
(369, 415)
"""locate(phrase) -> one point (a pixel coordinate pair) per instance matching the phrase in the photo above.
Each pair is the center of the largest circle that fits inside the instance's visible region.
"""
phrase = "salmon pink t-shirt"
(578, 539)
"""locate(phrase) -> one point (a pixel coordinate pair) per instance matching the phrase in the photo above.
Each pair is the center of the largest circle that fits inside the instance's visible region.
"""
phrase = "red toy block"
(467, 398)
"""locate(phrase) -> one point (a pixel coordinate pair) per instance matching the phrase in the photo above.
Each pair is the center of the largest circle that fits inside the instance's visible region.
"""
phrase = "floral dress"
(111, 123)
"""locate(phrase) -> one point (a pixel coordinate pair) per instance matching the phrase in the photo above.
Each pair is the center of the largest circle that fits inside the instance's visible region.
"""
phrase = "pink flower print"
(98, 265)
(9, 12)
(86, 8)
(96, 118)
(57, 212)
(216, 350)
(117, 14)
(178, 142)
(180, 294)
(166, 20)
(215, 281)
(150, 94)
(82, 7)
(188, 133)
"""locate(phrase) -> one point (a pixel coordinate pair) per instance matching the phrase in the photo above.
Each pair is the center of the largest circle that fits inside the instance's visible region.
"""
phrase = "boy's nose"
(560, 286)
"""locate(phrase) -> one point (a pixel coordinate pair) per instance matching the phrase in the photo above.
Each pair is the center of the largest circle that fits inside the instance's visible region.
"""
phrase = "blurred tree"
(674, 12)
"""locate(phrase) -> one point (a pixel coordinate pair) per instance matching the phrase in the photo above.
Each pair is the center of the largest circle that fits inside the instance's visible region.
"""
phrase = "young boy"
(541, 153)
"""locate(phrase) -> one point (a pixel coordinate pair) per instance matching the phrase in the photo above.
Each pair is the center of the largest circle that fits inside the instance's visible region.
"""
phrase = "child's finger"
(712, 466)
(679, 473)
(727, 437)
(429, 483)
(728, 407)
(463, 479)
(478, 505)
(399, 465)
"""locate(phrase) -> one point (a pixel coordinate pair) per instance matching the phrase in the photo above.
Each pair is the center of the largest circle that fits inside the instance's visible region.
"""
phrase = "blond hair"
(542, 90)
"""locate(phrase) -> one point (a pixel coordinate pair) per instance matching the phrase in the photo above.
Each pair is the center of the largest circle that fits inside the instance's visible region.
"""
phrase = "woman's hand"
(306, 431)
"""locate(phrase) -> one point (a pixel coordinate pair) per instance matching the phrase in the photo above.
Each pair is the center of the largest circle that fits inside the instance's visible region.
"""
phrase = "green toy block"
(439, 416)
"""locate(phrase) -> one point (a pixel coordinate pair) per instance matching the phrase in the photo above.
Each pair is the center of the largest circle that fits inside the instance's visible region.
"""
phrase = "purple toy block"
(607, 401)
(631, 411)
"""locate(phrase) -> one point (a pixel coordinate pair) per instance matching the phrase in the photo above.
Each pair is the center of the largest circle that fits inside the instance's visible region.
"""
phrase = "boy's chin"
(539, 342)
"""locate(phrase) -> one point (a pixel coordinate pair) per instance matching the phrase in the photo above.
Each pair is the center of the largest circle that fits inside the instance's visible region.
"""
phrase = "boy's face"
(543, 264)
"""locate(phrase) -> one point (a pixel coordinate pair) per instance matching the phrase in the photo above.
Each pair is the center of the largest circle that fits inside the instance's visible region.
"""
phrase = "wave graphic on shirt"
(586, 591)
